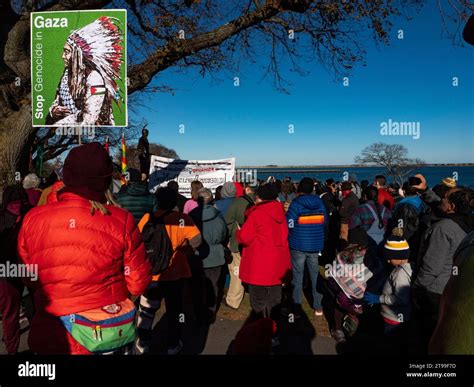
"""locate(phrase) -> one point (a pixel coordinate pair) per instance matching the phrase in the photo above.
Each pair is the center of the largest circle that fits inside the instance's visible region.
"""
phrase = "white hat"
(31, 181)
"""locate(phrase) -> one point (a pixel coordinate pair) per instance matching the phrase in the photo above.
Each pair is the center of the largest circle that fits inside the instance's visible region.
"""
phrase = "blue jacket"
(223, 205)
(306, 219)
(414, 201)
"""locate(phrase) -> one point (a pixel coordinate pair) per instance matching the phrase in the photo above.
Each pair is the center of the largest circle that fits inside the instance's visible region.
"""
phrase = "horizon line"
(275, 166)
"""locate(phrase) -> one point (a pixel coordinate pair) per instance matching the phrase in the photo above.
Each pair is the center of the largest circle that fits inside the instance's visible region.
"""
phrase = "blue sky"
(409, 80)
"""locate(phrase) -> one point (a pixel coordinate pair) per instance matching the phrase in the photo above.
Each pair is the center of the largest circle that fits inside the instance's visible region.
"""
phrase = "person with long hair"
(88, 85)
(192, 203)
(89, 254)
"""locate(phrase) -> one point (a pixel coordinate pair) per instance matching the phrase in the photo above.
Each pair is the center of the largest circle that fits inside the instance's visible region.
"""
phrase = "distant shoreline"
(345, 166)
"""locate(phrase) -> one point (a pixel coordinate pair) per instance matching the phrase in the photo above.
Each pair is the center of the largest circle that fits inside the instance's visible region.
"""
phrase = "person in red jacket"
(88, 254)
(265, 260)
(384, 197)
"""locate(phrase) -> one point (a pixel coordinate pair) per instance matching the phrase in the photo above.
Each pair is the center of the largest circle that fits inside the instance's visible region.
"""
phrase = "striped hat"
(449, 182)
(396, 247)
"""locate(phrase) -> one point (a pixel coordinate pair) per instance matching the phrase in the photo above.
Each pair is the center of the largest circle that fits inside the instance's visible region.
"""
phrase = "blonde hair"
(196, 185)
(97, 206)
(205, 195)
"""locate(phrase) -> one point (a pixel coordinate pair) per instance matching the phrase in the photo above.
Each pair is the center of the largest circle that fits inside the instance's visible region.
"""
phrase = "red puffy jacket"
(53, 195)
(84, 261)
(264, 237)
(385, 199)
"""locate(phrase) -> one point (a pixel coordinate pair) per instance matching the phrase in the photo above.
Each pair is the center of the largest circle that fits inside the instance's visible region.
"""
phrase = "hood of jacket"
(309, 202)
(137, 189)
(272, 208)
(208, 212)
(204, 213)
(415, 201)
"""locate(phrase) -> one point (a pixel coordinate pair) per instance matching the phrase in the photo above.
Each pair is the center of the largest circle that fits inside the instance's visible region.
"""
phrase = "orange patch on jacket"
(311, 219)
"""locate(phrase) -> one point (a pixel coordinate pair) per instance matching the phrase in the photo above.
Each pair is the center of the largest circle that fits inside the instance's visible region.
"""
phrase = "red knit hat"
(88, 171)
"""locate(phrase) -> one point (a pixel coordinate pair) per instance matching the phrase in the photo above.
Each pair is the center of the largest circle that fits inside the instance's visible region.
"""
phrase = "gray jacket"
(214, 235)
(437, 249)
(395, 299)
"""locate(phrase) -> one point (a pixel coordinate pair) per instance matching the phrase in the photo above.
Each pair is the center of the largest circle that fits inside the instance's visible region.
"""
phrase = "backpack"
(158, 246)
(9, 230)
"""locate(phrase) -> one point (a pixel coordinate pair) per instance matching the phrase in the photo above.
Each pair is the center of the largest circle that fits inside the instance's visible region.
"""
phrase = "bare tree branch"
(393, 157)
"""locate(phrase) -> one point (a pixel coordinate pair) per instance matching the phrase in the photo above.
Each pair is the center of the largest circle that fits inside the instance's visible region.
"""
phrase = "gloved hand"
(371, 298)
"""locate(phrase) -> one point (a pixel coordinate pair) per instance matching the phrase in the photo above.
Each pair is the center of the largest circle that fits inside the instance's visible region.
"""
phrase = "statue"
(143, 149)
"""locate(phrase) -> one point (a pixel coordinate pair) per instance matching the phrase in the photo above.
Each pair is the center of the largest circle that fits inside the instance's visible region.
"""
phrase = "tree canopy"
(210, 35)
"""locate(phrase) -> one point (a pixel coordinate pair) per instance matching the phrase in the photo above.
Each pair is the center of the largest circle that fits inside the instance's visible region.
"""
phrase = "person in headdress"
(92, 58)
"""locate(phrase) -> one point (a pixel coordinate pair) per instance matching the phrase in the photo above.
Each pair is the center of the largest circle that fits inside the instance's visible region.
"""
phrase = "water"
(433, 175)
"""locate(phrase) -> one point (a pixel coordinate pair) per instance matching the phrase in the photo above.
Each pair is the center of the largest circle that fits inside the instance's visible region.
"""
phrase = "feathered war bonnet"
(100, 44)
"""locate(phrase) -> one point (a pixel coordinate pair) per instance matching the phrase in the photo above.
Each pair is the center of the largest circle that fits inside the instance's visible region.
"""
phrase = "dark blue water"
(433, 175)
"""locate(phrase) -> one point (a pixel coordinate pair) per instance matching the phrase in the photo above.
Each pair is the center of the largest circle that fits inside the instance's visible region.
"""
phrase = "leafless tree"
(394, 157)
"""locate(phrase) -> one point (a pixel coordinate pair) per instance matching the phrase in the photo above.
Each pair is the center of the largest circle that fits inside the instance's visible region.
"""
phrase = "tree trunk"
(16, 131)
(15, 143)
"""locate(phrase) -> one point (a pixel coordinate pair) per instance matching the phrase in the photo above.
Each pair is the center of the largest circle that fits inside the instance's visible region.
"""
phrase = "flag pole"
(124, 158)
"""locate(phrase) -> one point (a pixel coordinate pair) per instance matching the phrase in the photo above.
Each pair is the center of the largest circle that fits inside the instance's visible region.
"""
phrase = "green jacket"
(236, 214)
(214, 235)
(136, 199)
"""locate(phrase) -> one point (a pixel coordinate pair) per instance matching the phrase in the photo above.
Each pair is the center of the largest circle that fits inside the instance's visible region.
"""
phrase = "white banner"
(211, 173)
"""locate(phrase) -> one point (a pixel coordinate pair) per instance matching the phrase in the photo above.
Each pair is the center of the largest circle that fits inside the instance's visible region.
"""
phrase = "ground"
(307, 335)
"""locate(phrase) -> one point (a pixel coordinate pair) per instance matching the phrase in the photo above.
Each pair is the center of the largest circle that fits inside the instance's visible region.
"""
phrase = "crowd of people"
(107, 257)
